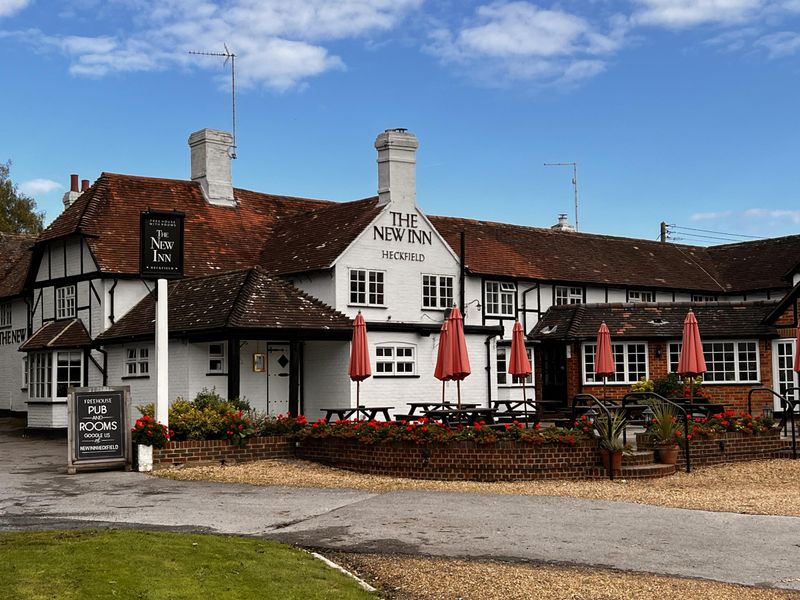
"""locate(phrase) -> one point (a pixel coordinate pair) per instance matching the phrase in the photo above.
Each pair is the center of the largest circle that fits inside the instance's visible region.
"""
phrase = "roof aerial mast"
(229, 56)
(574, 166)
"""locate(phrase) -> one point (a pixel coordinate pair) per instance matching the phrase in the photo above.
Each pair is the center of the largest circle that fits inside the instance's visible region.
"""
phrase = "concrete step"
(638, 457)
(652, 471)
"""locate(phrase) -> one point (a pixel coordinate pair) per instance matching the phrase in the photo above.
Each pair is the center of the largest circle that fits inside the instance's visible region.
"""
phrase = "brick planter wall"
(462, 461)
(220, 451)
(729, 447)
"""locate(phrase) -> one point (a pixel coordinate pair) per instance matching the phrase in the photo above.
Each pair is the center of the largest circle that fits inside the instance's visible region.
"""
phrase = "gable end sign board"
(161, 244)
(98, 433)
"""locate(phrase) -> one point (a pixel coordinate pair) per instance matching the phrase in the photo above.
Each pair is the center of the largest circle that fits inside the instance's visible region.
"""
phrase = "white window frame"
(393, 360)
(40, 378)
(220, 356)
(25, 373)
(136, 361)
(639, 296)
(623, 376)
(704, 298)
(500, 298)
(437, 301)
(374, 287)
(568, 294)
(66, 302)
(70, 382)
(6, 315)
(783, 374)
(504, 378)
(673, 355)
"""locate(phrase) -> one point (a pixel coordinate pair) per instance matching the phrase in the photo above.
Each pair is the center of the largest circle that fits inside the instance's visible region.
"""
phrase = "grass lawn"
(144, 565)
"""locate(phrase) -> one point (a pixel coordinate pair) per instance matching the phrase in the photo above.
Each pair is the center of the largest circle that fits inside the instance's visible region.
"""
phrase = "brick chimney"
(211, 165)
(397, 168)
(73, 193)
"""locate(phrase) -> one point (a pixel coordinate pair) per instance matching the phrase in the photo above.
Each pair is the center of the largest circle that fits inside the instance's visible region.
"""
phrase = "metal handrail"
(792, 404)
(593, 399)
(660, 398)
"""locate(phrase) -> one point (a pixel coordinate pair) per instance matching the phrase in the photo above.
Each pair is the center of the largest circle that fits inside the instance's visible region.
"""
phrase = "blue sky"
(675, 110)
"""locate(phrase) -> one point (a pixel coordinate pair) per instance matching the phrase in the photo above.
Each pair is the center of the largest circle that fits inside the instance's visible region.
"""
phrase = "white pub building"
(272, 283)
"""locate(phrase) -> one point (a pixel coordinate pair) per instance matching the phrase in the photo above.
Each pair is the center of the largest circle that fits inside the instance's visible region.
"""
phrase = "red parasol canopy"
(359, 351)
(692, 362)
(797, 350)
(518, 363)
(444, 358)
(604, 359)
(458, 346)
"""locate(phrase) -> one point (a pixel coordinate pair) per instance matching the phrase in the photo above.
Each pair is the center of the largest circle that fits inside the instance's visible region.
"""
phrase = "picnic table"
(420, 409)
(463, 416)
(370, 413)
(516, 410)
(703, 408)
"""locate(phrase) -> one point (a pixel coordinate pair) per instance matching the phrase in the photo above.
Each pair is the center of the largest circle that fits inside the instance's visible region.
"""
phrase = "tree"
(17, 211)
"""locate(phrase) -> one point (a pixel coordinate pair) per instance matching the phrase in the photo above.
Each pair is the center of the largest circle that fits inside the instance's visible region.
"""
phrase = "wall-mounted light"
(658, 351)
(477, 304)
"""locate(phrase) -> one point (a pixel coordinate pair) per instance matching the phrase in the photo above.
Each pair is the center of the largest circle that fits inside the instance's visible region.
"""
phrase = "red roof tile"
(244, 300)
(757, 265)
(15, 260)
(217, 238)
(58, 334)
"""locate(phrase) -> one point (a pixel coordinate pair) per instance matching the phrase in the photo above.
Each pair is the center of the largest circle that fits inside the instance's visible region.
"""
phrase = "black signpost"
(161, 244)
(99, 428)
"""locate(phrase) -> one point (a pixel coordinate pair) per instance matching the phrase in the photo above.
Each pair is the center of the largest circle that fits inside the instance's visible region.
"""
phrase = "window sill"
(216, 374)
(515, 386)
(135, 377)
(46, 402)
(499, 316)
(706, 383)
(368, 305)
(395, 376)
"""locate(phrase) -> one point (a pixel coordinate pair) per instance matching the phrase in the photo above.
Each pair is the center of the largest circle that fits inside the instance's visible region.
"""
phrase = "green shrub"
(670, 386)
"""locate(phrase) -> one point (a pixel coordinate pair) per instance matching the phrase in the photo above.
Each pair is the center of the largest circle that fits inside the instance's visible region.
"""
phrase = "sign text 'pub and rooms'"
(161, 242)
(98, 427)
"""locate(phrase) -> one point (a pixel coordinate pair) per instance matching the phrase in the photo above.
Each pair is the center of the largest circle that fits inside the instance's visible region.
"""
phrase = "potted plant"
(148, 433)
(664, 429)
(609, 432)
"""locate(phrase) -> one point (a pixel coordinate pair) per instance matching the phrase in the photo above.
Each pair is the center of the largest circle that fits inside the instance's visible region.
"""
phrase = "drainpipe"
(111, 302)
(462, 275)
(489, 381)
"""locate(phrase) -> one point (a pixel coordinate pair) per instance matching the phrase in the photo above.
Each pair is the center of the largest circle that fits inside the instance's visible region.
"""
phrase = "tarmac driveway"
(35, 491)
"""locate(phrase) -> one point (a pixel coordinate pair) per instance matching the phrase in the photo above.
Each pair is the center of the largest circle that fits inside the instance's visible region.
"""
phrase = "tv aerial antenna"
(574, 166)
(229, 57)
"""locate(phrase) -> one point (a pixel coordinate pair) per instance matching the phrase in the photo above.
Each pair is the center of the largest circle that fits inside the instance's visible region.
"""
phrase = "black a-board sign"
(161, 244)
(98, 432)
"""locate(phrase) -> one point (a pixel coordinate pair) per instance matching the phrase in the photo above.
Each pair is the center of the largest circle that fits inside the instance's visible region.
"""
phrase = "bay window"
(727, 361)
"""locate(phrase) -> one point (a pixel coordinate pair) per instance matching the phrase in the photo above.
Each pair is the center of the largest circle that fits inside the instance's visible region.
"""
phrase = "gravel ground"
(764, 487)
(422, 578)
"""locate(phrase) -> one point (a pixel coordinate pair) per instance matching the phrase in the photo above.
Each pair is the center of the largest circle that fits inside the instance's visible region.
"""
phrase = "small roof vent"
(658, 321)
(549, 329)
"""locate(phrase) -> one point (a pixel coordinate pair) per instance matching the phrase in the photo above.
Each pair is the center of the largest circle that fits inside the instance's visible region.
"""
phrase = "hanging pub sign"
(98, 432)
(161, 244)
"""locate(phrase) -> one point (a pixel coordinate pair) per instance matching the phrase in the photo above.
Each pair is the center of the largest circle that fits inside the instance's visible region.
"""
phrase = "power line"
(739, 235)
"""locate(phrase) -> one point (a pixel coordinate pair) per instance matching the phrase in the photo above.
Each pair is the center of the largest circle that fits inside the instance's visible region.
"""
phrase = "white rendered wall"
(12, 397)
(319, 284)
(325, 377)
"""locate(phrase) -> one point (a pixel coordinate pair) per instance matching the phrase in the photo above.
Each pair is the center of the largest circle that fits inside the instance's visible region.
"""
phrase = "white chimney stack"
(397, 168)
(563, 224)
(73, 193)
(211, 165)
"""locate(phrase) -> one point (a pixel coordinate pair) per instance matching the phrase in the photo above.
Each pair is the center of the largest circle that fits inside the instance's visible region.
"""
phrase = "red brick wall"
(729, 447)
(220, 451)
(787, 319)
(461, 461)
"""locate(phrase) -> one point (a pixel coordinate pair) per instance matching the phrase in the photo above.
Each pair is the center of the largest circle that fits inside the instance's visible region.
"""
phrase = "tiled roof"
(757, 265)
(313, 240)
(58, 334)
(536, 253)
(15, 260)
(244, 300)
(647, 321)
(217, 238)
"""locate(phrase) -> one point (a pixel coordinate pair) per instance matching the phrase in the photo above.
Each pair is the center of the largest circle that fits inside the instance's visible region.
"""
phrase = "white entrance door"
(783, 368)
(278, 379)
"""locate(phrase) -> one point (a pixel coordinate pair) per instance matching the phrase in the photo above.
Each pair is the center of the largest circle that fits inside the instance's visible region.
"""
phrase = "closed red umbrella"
(692, 362)
(518, 363)
(444, 360)
(458, 349)
(359, 358)
(603, 358)
(797, 350)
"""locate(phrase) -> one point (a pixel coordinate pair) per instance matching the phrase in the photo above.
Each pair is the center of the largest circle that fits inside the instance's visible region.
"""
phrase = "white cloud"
(38, 186)
(755, 221)
(9, 7)
(711, 216)
(689, 13)
(778, 214)
(780, 44)
(520, 41)
(278, 43)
